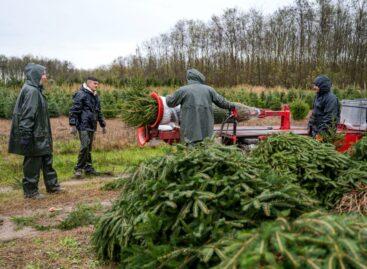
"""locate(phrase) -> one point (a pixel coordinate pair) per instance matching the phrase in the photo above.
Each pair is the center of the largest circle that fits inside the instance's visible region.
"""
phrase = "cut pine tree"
(138, 108)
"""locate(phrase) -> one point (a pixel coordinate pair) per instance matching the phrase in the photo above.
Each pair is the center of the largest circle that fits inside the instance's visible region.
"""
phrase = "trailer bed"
(256, 131)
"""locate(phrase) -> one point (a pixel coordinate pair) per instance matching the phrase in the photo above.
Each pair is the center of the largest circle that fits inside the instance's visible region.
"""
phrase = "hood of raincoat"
(324, 83)
(33, 73)
(194, 76)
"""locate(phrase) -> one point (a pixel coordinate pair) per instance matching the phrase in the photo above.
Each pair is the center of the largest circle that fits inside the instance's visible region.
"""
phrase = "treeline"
(59, 72)
(12, 70)
(288, 47)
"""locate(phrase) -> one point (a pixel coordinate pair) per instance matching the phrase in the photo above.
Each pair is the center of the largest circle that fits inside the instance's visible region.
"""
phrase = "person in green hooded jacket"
(30, 133)
(196, 99)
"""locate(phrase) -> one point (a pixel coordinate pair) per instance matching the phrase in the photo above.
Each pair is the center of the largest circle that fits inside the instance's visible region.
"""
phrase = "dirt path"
(76, 191)
(52, 248)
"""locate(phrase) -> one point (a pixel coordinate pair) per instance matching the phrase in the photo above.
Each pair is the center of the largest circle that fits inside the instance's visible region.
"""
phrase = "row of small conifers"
(279, 206)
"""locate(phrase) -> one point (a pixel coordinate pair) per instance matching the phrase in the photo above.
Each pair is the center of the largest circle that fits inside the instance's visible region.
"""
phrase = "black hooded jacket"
(30, 117)
(325, 110)
(86, 111)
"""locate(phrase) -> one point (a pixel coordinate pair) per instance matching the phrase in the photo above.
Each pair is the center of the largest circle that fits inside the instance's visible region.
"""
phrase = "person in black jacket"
(84, 114)
(31, 135)
(325, 110)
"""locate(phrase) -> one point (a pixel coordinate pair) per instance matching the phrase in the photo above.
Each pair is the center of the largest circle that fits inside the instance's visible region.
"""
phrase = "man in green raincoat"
(30, 133)
(196, 99)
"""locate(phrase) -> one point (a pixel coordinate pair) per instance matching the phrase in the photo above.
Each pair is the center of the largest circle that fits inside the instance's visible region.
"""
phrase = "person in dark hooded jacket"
(31, 135)
(196, 99)
(84, 115)
(325, 110)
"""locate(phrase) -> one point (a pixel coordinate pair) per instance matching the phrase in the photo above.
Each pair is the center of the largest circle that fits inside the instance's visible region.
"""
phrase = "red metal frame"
(143, 136)
(284, 114)
(234, 115)
(350, 138)
(170, 137)
(160, 109)
(146, 133)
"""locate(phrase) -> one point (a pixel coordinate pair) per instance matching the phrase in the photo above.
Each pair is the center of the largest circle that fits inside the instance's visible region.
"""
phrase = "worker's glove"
(319, 138)
(73, 130)
(104, 130)
(25, 143)
(257, 112)
(261, 113)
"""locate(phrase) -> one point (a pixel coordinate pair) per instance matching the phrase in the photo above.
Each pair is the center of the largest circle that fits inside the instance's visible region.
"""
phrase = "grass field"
(113, 152)
(60, 239)
(115, 161)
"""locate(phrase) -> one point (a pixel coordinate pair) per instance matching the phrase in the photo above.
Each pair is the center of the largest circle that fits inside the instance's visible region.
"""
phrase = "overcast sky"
(90, 33)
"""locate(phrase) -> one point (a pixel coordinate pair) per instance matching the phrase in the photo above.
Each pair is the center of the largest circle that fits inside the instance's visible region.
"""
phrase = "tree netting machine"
(353, 125)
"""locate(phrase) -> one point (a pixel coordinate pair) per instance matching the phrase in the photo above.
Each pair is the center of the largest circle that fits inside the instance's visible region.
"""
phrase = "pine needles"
(315, 166)
(315, 240)
(137, 107)
(213, 205)
(356, 199)
(196, 196)
(299, 109)
(359, 150)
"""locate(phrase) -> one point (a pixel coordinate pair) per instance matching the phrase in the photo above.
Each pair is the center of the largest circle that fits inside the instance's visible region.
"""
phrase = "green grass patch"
(23, 221)
(29, 221)
(33, 265)
(65, 158)
(114, 185)
(83, 215)
(69, 242)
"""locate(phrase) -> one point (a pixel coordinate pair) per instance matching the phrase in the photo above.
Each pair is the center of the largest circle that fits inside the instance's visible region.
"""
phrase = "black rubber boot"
(31, 170)
(49, 174)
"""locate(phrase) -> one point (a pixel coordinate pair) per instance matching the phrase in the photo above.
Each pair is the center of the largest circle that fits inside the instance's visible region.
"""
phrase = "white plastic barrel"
(168, 113)
(354, 114)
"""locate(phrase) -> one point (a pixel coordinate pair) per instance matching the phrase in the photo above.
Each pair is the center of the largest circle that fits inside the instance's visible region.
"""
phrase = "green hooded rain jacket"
(196, 99)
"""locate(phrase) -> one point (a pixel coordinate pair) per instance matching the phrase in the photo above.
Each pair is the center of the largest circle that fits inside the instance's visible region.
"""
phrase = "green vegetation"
(67, 249)
(213, 205)
(135, 107)
(138, 108)
(315, 240)
(356, 199)
(359, 151)
(7, 102)
(29, 221)
(23, 221)
(60, 100)
(315, 166)
(289, 46)
(65, 157)
(82, 215)
(299, 109)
